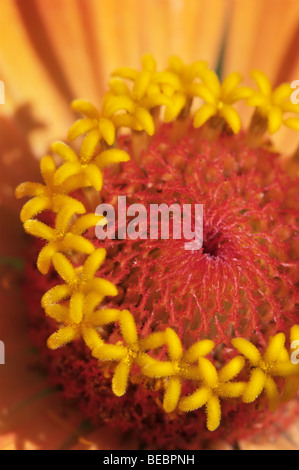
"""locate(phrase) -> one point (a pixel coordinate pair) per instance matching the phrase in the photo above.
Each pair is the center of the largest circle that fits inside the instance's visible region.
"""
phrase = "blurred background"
(52, 51)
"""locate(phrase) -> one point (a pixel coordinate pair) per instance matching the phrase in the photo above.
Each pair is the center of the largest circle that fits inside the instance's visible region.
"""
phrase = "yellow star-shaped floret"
(48, 196)
(219, 99)
(179, 366)
(150, 88)
(122, 106)
(127, 354)
(273, 104)
(96, 127)
(86, 167)
(274, 363)
(88, 328)
(66, 236)
(215, 385)
(181, 97)
(79, 282)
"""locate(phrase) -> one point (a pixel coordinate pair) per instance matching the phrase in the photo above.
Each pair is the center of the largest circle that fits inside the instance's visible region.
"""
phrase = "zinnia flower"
(177, 333)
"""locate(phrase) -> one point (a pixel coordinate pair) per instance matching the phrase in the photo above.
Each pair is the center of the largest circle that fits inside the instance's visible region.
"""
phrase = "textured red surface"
(244, 281)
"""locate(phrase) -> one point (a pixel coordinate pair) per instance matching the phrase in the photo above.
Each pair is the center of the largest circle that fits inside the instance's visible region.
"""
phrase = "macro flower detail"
(126, 355)
(219, 99)
(167, 308)
(96, 127)
(88, 173)
(65, 237)
(87, 329)
(48, 196)
(79, 282)
(274, 363)
(215, 385)
(273, 104)
(178, 368)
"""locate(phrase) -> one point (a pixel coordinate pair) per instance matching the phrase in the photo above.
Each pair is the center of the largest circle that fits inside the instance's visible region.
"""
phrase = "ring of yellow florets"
(136, 100)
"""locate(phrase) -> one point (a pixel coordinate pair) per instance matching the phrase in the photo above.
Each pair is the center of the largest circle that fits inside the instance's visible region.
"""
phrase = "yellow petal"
(290, 389)
(47, 168)
(141, 83)
(202, 91)
(153, 341)
(292, 123)
(208, 372)
(77, 243)
(125, 72)
(128, 327)
(120, 378)
(64, 151)
(275, 117)
(104, 316)
(93, 262)
(86, 108)
(281, 93)
(118, 103)
(58, 312)
(285, 369)
(64, 267)
(211, 80)
(294, 334)
(275, 346)
(85, 222)
(95, 176)
(34, 207)
(232, 118)
(89, 145)
(262, 82)
(62, 337)
(107, 130)
(203, 114)
(76, 307)
(29, 189)
(231, 369)
(213, 409)
(272, 393)
(65, 171)
(255, 386)
(195, 400)
(81, 127)
(39, 229)
(178, 101)
(175, 349)
(199, 349)
(104, 287)
(238, 94)
(157, 369)
(232, 390)
(248, 350)
(258, 100)
(110, 352)
(145, 120)
(92, 338)
(55, 295)
(111, 156)
(230, 83)
(45, 256)
(172, 395)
